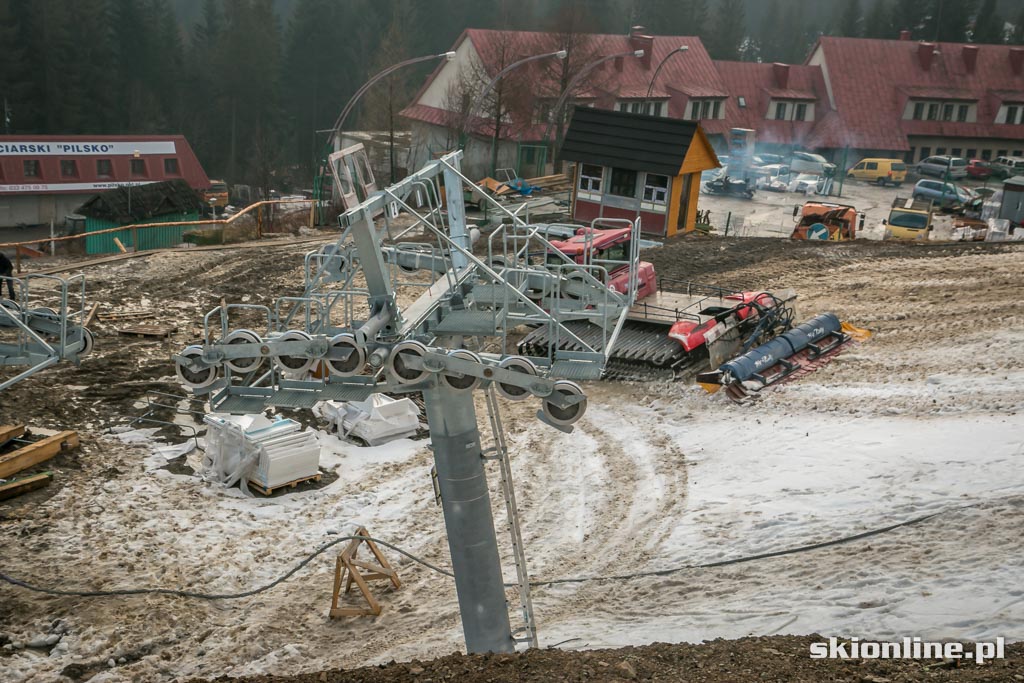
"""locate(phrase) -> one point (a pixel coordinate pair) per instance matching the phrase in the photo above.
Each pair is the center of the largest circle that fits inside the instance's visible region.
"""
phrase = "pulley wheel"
(571, 414)
(397, 362)
(295, 364)
(243, 365)
(87, 342)
(515, 364)
(459, 381)
(195, 379)
(345, 367)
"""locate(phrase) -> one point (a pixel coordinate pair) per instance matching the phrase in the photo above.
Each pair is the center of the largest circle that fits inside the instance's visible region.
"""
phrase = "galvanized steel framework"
(343, 340)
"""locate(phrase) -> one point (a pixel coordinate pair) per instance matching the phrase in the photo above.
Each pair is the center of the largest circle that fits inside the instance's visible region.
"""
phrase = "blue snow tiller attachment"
(801, 349)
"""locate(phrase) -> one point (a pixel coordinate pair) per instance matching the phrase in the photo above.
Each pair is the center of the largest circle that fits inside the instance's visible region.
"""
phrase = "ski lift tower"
(348, 336)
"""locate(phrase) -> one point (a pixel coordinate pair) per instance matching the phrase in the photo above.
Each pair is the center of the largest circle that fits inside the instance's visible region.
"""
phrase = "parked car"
(807, 183)
(808, 162)
(1005, 167)
(768, 159)
(774, 177)
(879, 171)
(944, 195)
(979, 169)
(938, 166)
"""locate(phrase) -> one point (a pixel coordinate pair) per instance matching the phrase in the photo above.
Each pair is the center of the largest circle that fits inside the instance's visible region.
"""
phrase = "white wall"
(466, 59)
(818, 59)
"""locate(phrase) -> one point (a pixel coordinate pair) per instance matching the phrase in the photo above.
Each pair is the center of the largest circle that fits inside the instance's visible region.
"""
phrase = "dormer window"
(705, 109)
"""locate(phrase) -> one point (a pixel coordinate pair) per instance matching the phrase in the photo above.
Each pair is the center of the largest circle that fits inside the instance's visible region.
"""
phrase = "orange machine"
(826, 221)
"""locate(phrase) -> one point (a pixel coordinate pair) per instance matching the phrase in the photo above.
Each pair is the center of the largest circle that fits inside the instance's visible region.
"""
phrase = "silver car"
(938, 166)
(809, 162)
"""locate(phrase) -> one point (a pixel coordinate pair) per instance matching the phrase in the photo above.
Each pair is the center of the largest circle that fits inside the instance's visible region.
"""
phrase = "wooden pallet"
(151, 331)
(32, 454)
(256, 486)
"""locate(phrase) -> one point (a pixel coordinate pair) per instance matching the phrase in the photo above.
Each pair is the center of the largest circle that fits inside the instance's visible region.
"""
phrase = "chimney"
(1016, 59)
(781, 72)
(639, 40)
(618, 64)
(925, 54)
(904, 34)
(970, 54)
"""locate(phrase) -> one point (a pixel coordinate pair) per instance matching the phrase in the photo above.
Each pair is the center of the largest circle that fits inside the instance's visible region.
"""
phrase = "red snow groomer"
(687, 327)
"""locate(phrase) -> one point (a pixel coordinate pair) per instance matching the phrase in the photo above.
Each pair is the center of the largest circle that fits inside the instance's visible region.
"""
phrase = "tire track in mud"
(597, 502)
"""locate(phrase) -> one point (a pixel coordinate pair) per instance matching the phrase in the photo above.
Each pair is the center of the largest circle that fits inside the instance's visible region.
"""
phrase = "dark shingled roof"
(147, 201)
(634, 141)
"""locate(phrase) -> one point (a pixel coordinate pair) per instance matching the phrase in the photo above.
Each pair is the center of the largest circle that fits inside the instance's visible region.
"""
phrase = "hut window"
(656, 188)
(171, 167)
(138, 167)
(30, 168)
(590, 177)
(68, 168)
(104, 169)
(623, 183)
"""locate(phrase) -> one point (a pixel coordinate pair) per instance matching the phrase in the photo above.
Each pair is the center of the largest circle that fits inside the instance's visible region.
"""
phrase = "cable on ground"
(552, 582)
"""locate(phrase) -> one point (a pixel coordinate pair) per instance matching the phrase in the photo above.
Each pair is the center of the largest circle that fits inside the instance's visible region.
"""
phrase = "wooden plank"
(16, 487)
(148, 330)
(8, 432)
(33, 454)
(120, 246)
(92, 314)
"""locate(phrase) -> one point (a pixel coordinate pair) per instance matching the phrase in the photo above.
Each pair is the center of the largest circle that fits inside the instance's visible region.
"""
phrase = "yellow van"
(881, 171)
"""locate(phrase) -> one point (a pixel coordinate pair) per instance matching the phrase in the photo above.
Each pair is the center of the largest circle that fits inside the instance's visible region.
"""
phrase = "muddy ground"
(180, 287)
(933, 308)
(773, 659)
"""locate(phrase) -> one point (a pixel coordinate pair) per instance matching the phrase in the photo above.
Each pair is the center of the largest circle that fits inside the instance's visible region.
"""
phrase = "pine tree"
(727, 32)
(16, 83)
(988, 25)
(385, 99)
(878, 22)
(910, 15)
(949, 21)
(849, 20)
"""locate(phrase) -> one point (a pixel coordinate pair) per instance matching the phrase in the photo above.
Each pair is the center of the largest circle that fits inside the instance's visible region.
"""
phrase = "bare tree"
(388, 98)
(572, 29)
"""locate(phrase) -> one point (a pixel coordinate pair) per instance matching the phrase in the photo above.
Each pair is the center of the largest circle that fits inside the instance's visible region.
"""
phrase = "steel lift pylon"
(347, 336)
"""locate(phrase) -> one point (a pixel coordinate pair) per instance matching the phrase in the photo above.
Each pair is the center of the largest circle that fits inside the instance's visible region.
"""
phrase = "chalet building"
(852, 97)
(620, 84)
(911, 99)
(44, 178)
(634, 165)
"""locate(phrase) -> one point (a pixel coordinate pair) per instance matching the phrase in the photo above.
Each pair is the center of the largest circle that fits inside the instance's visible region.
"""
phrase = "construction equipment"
(665, 332)
(826, 221)
(43, 324)
(909, 219)
(348, 337)
(216, 196)
(799, 350)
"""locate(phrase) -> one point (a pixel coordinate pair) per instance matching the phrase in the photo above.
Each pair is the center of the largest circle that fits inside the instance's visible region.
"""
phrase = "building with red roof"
(43, 178)
(851, 98)
(914, 99)
(618, 84)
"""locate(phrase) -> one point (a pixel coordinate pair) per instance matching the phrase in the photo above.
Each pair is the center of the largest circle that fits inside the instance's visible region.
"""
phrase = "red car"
(979, 168)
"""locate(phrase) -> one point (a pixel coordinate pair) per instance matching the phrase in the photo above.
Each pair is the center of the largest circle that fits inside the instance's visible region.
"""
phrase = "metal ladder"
(528, 632)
